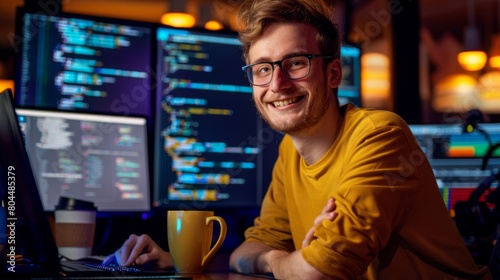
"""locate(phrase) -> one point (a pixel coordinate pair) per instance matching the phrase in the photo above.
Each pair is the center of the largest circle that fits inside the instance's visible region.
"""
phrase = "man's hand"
(257, 257)
(326, 214)
(140, 250)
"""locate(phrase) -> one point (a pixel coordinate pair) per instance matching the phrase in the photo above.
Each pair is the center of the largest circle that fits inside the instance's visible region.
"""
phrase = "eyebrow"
(267, 59)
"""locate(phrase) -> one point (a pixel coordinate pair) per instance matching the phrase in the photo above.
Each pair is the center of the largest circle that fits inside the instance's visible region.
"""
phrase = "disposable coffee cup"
(74, 227)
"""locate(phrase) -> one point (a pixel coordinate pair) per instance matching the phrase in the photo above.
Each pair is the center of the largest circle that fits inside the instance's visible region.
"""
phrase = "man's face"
(293, 106)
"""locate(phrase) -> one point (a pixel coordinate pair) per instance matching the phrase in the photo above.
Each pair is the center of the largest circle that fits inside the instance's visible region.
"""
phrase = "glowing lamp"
(183, 20)
(472, 60)
(375, 79)
(495, 52)
(213, 25)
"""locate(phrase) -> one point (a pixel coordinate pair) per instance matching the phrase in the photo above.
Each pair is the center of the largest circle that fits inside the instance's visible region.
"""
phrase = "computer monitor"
(350, 86)
(82, 63)
(457, 157)
(212, 149)
(98, 158)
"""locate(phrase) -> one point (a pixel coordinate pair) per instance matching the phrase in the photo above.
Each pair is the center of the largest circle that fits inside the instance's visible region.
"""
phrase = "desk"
(223, 276)
(218, 269)
(201, 276)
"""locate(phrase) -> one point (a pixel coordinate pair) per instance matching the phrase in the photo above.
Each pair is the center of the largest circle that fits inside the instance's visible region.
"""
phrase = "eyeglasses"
(294, 67)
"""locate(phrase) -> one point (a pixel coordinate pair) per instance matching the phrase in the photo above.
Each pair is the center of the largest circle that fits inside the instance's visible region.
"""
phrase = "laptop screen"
(30, 233)
(98, 158)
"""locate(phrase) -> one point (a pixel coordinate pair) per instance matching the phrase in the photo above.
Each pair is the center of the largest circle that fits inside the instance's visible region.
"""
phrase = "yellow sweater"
(392, 222)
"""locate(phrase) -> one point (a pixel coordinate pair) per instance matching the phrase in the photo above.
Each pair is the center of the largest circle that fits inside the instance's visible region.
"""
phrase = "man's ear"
(334, 73)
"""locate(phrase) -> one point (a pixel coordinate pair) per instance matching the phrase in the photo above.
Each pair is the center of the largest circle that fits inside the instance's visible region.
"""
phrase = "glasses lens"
(260, 74)
(295, 67)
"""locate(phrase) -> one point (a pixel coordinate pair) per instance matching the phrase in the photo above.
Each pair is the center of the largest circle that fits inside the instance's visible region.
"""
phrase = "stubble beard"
(313, 114)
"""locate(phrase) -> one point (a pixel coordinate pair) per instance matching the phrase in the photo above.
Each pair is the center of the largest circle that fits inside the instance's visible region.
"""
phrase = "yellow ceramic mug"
(189, 235)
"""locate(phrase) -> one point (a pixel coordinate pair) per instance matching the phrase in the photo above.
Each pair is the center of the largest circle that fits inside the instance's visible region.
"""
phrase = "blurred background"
(417, 41)
(435, 63)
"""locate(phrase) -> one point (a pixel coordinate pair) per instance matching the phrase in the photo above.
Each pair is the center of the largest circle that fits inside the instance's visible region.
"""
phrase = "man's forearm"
(249, 258)
(257, 257)
(292, 266)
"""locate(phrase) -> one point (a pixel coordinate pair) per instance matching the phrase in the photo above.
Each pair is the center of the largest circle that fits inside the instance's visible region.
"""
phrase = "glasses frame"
(278, 62)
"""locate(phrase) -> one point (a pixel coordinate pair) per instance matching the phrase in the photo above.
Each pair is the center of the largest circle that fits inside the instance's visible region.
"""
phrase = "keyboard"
(114, 267)
(93, 268)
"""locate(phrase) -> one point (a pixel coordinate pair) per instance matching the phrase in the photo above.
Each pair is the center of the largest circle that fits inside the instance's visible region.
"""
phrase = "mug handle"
(222, 236)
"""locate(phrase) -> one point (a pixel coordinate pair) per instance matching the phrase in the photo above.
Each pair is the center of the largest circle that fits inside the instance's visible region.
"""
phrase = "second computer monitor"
(212, 147)
(98, 158)
(350, 86)
(457, 157)
(84, 63)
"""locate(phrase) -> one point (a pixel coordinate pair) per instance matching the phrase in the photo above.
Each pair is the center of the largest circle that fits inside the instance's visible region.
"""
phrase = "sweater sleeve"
(272, 227)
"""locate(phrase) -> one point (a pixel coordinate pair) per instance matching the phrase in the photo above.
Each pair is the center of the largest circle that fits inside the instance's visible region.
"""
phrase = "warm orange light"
(213, 25)
(455, 93)
(375, 79)
(489, 85)
(472, 60)
(495, 61)
(489, 92)
(495, 52)
(182, 20)
(5, 84)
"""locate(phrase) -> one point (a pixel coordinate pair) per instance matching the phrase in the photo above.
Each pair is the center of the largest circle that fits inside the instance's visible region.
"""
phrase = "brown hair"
(256, 15)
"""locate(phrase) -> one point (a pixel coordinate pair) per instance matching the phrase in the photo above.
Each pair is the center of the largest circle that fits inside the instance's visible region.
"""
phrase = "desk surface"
(218, 269)
(224, 276)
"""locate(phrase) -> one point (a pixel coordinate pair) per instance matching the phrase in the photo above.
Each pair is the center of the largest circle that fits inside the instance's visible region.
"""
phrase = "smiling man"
(352, 194)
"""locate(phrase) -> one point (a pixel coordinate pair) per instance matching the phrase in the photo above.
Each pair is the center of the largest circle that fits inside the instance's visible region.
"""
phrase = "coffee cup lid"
(68, 203)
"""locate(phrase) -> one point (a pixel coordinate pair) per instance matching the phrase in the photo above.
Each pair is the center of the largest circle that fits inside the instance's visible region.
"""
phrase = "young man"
(352, 195)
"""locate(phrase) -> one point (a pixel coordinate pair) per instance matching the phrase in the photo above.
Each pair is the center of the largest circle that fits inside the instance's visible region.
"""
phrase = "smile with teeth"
(282, 103)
